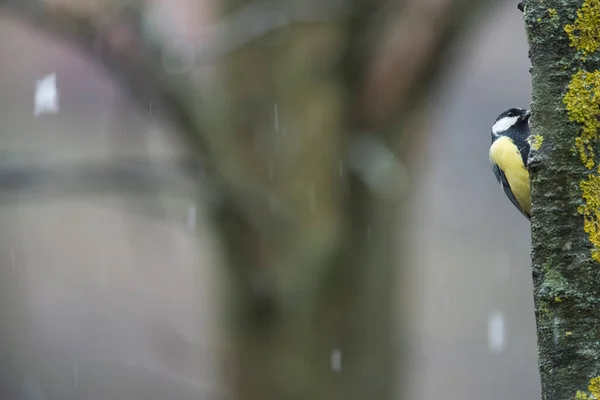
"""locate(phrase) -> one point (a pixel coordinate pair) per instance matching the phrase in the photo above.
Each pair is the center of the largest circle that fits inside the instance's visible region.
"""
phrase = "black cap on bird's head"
(513, 117)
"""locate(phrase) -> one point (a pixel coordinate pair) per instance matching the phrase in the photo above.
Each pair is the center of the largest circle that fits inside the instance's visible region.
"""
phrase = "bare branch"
(410, 48)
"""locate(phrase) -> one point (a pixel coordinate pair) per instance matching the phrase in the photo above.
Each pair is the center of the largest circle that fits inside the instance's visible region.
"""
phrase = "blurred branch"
(256, 20)
(147, 184)
(121, 175)
(411, 42)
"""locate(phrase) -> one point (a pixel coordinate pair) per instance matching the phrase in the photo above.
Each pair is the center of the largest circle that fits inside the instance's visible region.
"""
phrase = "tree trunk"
(564, 38)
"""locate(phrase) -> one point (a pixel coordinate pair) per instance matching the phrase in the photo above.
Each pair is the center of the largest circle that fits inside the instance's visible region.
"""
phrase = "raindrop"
(496, 339)
(336, 360)
(276, 111)
(75, 375)
(12, 259)
(341, 168)
(556, 330)
(46, 96)
(191, 219)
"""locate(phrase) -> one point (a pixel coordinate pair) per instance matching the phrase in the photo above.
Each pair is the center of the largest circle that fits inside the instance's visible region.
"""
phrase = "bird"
(508, 155)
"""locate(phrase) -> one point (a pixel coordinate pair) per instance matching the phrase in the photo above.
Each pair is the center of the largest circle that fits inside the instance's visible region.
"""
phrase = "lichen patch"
(584, 33)
(583, 106)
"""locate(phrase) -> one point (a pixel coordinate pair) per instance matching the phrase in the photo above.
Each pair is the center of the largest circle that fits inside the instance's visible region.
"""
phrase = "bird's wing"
(504, 183)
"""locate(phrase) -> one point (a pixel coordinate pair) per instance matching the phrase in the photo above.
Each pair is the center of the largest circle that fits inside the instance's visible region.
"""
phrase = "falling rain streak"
(75, 376)
(336, 360)
(496, 332)
(556, 330)
(12, 260)
(191, 219)
(46, 96)
(276, 112)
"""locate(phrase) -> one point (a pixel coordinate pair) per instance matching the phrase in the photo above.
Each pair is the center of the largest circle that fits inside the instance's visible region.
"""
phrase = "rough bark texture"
(564, 37)
(306, 203)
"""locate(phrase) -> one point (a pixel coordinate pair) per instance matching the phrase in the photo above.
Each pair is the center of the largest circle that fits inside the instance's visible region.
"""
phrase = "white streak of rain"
(12, 260)
(496, 332)
(336, 360)
(191, 219)
(75, 376)
(46, 96)
(276, 111)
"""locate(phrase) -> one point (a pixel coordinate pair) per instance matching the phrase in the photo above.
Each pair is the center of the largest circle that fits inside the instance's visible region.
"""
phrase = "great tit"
(508, 155)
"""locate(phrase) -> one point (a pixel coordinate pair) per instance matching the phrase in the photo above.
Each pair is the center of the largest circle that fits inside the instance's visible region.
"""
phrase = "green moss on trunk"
(564, 40)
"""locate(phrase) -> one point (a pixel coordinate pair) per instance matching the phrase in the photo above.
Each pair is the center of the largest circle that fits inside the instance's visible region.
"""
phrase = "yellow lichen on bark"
(582, 102)
(593, 388)
(581, 396)
(535, 141)
(590, 188)
(584, 33)
(583, 106)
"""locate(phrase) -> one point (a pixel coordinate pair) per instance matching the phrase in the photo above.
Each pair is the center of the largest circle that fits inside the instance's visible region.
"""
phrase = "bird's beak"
(526, 116)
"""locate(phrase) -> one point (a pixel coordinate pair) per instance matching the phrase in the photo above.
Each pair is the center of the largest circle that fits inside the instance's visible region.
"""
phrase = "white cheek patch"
(503, 124)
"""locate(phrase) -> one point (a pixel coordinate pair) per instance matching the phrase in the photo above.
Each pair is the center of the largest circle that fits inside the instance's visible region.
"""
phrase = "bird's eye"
(510, 114)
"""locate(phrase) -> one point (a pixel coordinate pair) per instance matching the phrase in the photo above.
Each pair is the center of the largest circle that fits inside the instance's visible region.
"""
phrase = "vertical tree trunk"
(299, 339)
(564, 38)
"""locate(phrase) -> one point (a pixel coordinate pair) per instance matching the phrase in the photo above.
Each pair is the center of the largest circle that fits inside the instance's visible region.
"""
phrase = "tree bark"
(564, 38)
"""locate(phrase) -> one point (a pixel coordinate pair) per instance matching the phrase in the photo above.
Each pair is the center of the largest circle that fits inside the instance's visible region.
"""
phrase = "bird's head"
(513, 117)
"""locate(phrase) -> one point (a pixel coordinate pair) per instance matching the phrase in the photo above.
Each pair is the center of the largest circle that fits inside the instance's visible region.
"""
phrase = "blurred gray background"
(102, 284)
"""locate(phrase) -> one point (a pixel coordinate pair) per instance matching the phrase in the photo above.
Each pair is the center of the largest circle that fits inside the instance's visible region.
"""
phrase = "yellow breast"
(506, 156)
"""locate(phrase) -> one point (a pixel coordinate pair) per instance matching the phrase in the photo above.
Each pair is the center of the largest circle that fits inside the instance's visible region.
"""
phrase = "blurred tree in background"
(297, 115)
